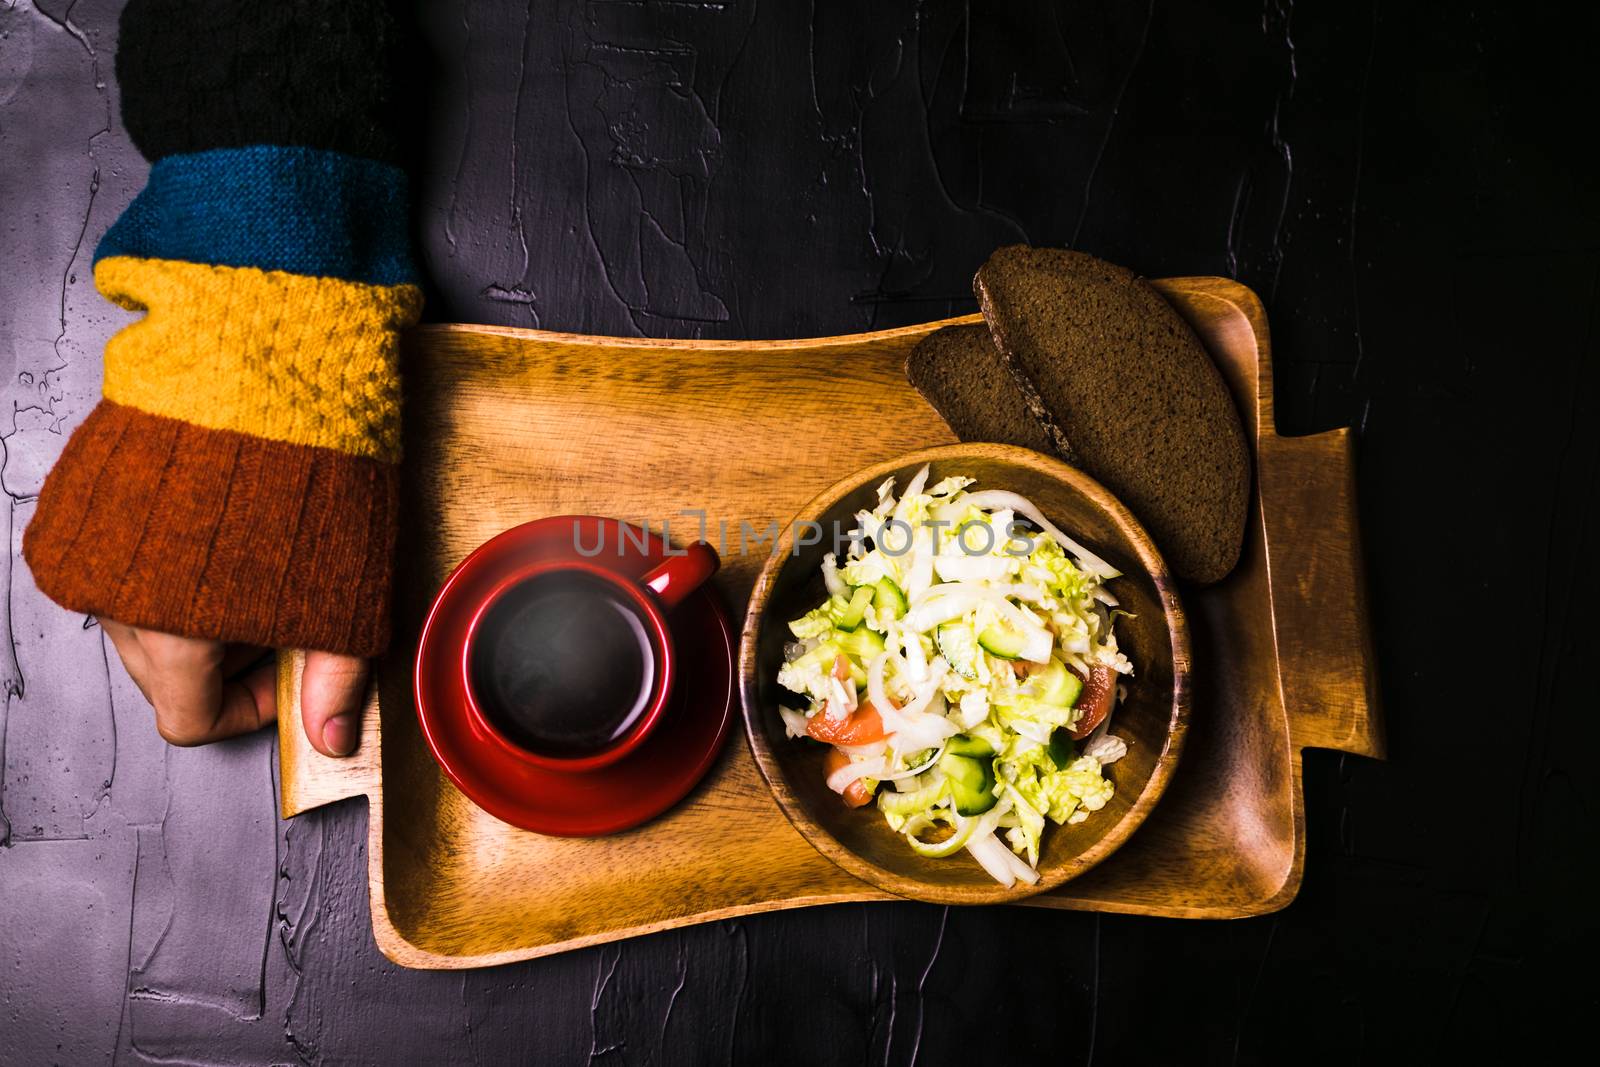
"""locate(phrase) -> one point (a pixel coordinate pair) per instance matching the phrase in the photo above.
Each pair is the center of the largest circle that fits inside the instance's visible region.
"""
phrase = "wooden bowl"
(1153, 719)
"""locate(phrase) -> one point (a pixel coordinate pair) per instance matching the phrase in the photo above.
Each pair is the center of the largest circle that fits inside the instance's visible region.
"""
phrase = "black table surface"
(1410, 189)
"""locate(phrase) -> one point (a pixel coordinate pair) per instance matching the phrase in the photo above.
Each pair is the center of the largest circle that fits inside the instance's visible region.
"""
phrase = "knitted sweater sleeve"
(238, 478)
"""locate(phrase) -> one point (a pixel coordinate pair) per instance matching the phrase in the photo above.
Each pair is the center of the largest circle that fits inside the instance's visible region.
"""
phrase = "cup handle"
(678, 576)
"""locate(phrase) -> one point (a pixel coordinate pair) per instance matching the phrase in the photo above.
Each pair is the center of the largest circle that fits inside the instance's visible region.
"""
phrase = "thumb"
(333, 692)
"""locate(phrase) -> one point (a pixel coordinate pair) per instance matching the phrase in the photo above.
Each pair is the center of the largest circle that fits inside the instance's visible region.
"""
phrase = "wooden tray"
(506, 425)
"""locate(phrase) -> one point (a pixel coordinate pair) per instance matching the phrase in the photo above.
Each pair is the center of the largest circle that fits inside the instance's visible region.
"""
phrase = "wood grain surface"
(508, 425)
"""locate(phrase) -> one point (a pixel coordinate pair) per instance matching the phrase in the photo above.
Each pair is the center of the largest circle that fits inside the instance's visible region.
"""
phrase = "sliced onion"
(924, 734)
(959, 567)
(994, 499)
(1019, 866)
(949, 511)
(875, 690)
(937, 849)
(916, 658)
(988, 850)
(909, 798)
(866, 522)
(794, 722)
(987, 590)
(944, 589)
(976, 713)
(854, 771)
(916, 484)
(912, 728)
(962, 599)
(830, 576)
(926, 690)
(867, 751)
(1104, 596)
(919, 572)
(936, 610)
(841, 698)
(1037, 645)
(914, 771)
(917, 732)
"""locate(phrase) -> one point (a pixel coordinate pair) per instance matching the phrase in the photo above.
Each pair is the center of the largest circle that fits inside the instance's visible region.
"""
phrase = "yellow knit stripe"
(288, 357)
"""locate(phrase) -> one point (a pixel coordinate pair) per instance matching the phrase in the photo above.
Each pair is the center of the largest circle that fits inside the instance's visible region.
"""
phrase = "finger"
(227, 709)
(238, 707)
(195, 704)
(184, 684)
(249, 703)
(333, 690)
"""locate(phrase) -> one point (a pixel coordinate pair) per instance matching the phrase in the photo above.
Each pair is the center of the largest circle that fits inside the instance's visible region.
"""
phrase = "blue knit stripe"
(302, 210)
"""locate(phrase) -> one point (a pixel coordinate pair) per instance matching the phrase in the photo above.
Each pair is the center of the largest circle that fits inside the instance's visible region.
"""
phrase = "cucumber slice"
(963, 770)
(1056, 685)
(1010, 642)
(972, 801)
(959, 647)
(988, 733)
(861, 643)
(971, 782)
(888, 595)
(849, 616)
(1060, 748)
(964, 745)
(1002, 640)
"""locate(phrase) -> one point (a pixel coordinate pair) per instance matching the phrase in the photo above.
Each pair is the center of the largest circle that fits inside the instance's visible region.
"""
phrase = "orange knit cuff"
(162, 524)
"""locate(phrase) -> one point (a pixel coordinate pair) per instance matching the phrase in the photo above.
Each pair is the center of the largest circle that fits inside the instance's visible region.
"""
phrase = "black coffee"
(563, 665)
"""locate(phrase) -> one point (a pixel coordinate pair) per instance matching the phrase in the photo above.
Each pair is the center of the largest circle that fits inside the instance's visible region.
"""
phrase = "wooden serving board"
(505, 426)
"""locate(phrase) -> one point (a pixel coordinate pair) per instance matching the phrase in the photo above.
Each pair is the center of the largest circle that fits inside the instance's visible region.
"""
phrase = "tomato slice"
(1099, 693)
(861, 727)
(856, 793)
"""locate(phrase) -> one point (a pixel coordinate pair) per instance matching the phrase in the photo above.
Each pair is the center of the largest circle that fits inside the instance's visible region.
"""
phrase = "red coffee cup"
(531, 642)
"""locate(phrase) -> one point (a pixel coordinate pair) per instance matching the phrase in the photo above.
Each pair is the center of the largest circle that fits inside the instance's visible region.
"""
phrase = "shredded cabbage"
(976, 618)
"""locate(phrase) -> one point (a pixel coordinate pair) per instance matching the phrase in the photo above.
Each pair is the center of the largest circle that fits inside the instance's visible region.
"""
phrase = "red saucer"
(638, 787)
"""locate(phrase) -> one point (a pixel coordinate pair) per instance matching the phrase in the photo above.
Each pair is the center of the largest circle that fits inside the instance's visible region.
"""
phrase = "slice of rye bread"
(1107, 358)
(966, 380)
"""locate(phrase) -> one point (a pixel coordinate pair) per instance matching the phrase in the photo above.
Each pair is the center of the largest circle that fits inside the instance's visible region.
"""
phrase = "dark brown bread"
(1103, 356)
(966, 380)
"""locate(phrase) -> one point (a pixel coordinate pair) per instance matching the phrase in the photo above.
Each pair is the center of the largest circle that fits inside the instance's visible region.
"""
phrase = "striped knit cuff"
(170, 526)
(238, 481)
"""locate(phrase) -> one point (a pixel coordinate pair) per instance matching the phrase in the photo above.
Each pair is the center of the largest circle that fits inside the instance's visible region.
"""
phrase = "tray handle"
(1319, 596)
(308, 778)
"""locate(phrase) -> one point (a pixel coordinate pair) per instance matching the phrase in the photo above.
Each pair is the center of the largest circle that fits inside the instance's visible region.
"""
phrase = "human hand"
(198, 697)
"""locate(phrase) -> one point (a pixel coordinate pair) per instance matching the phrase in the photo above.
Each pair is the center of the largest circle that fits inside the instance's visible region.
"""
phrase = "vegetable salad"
(963, 670)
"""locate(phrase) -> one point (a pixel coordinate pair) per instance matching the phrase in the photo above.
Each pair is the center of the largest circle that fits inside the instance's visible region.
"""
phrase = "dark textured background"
(1410, 188)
